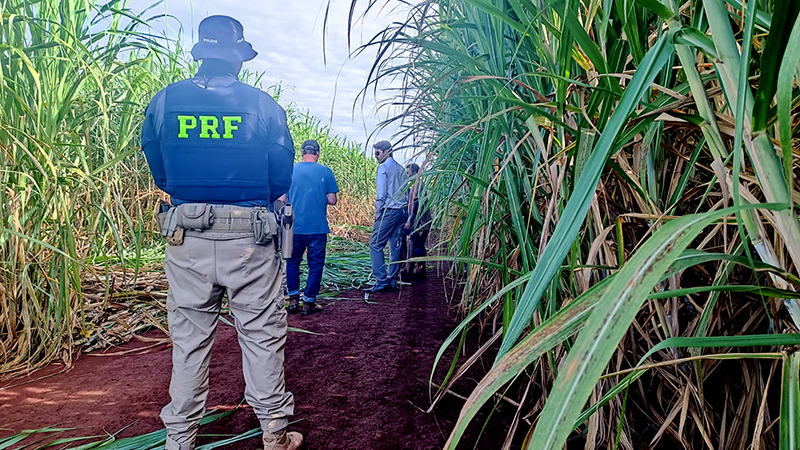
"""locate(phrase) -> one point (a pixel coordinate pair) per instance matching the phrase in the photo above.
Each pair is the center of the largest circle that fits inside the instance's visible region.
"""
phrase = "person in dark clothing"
(223, 152)
(418, 227)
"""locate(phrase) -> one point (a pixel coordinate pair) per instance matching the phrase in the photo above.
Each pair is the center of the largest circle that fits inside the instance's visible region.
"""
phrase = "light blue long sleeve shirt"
(392, 189)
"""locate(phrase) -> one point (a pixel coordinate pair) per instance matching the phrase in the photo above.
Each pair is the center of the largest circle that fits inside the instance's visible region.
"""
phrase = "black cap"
(383, 145)
(222, 37)
(311, 145)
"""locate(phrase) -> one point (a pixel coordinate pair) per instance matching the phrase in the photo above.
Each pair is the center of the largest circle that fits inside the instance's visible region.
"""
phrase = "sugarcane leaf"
(577, 206)
(763, 18)
(696, 38)
(780, 31)
(744, 84)
(742, 289)
(256, 432)
(564, 323)
(687, 259)
(694, 343)
(785, 85)
(751, 340)
(151, 440)
(16, 438)
(59, 442)
(790, 403)
(657, 7)
(609, 321)
(546, 336)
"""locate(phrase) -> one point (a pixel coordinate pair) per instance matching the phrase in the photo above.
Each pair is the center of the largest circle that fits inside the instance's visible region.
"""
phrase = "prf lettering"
(208, 126)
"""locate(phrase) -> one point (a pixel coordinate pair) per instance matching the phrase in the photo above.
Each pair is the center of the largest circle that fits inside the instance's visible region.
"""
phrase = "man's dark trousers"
(315, 243)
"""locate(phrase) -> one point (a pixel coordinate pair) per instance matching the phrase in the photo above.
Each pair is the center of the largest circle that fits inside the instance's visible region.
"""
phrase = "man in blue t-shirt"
(313, 189)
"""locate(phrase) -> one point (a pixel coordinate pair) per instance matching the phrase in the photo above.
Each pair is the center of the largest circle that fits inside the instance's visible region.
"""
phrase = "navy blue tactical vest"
(212, 143)
(213, 139)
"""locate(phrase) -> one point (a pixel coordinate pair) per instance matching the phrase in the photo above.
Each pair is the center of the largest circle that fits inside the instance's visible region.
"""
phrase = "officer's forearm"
(281, 161)
(277, 190)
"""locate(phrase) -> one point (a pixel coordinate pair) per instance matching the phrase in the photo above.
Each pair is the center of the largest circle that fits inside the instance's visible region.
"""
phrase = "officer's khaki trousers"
(199, 272)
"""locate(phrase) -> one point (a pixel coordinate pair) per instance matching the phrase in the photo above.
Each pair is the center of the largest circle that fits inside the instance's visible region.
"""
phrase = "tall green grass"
(71, 174)
(615, 175)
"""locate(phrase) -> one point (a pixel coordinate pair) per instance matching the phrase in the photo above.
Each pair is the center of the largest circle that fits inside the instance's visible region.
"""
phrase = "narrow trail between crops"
(360, 384)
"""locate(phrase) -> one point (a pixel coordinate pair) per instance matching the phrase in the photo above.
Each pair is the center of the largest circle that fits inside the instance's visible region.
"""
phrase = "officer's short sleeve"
(280, 147)
(151, 145)
(331, 187)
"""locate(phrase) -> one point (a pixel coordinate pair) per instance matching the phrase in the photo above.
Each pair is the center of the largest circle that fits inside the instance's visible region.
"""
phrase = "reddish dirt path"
(359, 385)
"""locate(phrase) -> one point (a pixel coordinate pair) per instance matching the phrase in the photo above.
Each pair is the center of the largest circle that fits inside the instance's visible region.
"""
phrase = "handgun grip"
(287, 233)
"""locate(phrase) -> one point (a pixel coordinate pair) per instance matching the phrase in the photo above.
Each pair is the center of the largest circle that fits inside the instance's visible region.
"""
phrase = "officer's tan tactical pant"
(199, 272)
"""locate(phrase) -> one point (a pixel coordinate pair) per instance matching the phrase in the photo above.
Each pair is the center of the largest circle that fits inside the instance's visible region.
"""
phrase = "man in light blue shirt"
(313, 189)
(390, 216)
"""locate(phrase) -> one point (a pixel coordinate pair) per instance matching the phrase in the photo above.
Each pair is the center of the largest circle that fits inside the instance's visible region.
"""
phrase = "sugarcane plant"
(617, 180)
(73, 76)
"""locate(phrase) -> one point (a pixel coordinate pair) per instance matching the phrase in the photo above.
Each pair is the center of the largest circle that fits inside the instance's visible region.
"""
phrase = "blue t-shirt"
(311, 184)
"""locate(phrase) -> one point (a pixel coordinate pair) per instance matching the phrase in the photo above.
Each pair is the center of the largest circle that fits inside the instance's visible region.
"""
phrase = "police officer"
(222, 151)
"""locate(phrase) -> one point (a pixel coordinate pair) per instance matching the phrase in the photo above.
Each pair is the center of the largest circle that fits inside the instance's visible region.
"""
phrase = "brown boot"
(283, 440)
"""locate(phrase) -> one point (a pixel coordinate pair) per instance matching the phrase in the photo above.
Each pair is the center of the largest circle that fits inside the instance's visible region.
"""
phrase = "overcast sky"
(287, 34)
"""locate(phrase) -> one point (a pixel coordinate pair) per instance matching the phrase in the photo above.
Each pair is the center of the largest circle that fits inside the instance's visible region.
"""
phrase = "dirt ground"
(360, 384)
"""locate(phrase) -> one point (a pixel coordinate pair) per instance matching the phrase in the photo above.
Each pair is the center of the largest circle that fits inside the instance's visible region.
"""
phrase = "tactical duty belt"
(231, 218)
(207, 220)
